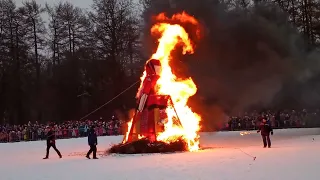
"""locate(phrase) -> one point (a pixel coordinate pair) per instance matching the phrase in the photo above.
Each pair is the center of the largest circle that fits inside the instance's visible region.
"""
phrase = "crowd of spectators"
(70, 129)
(278, 119)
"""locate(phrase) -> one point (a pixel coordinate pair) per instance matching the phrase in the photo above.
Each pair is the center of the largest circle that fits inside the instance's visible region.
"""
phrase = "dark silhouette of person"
(265, 129)
(93, 142)
(51, 142)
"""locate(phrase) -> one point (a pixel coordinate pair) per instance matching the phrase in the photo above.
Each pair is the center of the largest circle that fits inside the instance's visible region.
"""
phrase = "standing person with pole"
(51, 142)
(93, 142)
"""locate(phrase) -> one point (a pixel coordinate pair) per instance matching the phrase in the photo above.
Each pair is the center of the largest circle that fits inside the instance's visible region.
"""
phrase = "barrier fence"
(34, 135)
(310, 121)
(248, 125)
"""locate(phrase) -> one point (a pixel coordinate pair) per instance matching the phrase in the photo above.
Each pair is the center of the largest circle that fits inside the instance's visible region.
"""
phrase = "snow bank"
(293, 156)
(234, 139)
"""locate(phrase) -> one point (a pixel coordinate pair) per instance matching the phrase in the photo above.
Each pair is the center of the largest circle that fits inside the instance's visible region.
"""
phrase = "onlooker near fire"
(93, 142)
(265, 129)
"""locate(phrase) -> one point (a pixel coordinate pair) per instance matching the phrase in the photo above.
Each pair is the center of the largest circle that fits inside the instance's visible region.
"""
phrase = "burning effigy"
(163, 122)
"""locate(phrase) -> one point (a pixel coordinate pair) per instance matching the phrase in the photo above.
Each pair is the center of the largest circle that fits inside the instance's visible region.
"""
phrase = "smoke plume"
(246, 58)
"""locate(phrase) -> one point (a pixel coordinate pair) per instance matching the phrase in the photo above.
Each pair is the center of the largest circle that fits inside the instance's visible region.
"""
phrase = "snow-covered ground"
(227, 155)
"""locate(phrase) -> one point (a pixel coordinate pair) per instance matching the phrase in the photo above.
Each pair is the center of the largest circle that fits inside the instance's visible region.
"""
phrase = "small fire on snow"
(244, 133)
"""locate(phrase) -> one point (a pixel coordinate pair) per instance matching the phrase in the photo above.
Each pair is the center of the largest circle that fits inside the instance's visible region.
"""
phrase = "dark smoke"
(247, 58)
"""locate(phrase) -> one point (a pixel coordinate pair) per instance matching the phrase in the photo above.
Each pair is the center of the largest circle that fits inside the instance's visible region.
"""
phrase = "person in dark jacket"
(51, 142)
(93, 142)
(265, 129)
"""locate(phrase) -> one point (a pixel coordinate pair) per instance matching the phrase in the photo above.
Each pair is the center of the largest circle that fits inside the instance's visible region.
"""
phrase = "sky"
(84, 4)
(79, 3)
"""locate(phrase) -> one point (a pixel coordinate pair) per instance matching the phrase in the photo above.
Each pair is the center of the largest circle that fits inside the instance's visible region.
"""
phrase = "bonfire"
(181, 124)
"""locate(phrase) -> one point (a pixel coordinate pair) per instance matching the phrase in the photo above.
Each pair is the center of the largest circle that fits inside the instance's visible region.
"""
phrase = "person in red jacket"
(265, 129)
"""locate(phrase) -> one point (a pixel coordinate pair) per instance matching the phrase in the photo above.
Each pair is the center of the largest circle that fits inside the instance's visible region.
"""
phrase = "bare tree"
(15, 62)
(34, 25)
(54, 31)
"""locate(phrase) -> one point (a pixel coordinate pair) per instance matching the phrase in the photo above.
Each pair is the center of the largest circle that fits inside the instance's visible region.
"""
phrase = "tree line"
(63, 67)
(302, 14)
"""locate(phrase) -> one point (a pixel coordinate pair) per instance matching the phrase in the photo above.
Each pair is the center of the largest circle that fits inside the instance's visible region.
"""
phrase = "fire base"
(144, 145)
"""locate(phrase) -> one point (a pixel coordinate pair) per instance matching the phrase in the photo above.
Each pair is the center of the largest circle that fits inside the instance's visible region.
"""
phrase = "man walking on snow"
(265, 129)
(93, 142)
(51, 142)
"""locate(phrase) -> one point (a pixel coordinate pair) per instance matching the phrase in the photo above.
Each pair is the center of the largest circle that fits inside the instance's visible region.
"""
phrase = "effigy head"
(153, 67)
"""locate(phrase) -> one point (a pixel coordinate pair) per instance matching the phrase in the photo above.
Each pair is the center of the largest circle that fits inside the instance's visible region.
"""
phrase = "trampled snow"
(226, 156)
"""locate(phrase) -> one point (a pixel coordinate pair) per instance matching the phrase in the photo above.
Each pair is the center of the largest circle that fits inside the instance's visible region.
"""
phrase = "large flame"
(179, 89)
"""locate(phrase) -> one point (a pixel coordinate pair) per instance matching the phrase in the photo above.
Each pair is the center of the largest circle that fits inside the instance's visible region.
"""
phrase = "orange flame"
(244, 133)
(179, 89)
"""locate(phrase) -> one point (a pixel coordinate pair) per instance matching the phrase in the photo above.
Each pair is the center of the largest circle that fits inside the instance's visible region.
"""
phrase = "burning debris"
(163, 122)
(144, 145)
(244, 133)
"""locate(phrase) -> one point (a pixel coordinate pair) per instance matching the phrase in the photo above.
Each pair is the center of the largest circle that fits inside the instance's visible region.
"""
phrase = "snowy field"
(226, 156)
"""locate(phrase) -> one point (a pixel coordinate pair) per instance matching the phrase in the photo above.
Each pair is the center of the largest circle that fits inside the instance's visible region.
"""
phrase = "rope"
(254, 157)
(109, 100)
(100, 153)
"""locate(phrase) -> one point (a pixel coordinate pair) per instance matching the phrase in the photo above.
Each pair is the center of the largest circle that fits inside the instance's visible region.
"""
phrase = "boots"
(90, 158)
